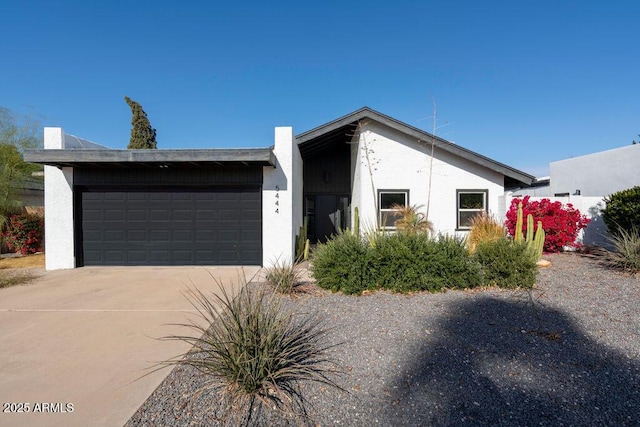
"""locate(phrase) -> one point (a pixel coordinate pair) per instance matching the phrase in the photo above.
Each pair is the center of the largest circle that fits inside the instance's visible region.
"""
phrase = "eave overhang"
(249, 157)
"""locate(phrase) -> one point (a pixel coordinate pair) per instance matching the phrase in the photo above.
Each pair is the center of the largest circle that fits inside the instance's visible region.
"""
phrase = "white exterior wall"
(401, 163)
(58, 205)
(281, 200)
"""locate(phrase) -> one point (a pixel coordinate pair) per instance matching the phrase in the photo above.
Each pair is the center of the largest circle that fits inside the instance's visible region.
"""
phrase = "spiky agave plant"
(626, 250)
(256, 355)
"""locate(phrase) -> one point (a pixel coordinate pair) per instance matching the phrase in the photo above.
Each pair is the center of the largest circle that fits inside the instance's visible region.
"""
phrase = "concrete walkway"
(74, 343)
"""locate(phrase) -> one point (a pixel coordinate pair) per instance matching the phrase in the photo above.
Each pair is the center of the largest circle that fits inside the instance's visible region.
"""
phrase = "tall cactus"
(301, 240)
(518, 236)
(529, 237)
(538, 241)
(535, 243)
(305, 254)
(356, 221)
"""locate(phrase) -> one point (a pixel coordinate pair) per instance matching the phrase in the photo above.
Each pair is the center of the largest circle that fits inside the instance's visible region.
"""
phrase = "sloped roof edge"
(254, 156)
(420, 135)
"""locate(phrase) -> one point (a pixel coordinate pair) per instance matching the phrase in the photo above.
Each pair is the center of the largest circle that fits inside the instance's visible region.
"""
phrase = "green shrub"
(342, 264)
(623, 210)
(400, 262)
(506, 263)
(454, 265)
(626, 253)
(395, 262)
(412, 262)
(284, 276)
(257, 353)
(24, 233)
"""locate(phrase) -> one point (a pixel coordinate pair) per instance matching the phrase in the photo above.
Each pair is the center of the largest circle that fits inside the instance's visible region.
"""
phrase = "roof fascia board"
(420, 135)
(262, 155)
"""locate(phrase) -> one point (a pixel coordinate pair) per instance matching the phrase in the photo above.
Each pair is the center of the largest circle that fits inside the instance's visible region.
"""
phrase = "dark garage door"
(173, 227)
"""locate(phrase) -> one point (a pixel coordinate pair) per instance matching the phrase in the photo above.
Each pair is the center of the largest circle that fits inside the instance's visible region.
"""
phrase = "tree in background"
(17, 133)
(142, 134)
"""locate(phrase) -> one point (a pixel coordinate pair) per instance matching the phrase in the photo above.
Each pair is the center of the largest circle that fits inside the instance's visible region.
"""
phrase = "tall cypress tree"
(142, 134)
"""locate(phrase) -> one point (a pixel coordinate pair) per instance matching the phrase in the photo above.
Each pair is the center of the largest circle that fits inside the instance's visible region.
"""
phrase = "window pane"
(466, 216)
(471, 200)
(389, 199)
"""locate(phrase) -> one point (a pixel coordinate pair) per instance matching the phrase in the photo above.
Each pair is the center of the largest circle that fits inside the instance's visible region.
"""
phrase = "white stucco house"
(246, 206)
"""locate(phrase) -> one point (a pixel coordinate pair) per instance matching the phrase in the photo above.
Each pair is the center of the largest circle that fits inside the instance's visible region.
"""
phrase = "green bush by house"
(623, 210)
(507, 264)
(414, 262)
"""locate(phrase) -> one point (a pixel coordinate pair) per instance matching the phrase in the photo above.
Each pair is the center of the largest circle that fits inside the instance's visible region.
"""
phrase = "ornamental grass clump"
(484, 228)
(626, 253)
(284, 276)
(256, 354)
(410, 220)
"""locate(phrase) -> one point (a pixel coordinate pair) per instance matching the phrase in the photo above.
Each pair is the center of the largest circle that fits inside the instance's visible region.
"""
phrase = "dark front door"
(331, 215)
(171, 227)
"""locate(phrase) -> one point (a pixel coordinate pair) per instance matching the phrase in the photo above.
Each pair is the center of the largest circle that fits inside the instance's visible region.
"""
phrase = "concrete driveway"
(74, 343)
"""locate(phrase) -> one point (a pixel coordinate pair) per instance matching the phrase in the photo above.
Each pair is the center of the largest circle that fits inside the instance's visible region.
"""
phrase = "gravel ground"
(566, 354)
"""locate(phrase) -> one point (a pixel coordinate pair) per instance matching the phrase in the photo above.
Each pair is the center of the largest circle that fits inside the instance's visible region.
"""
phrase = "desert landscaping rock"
(567, 353)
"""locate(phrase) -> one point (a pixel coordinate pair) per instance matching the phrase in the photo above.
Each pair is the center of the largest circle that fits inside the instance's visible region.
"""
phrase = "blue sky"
(524, 83)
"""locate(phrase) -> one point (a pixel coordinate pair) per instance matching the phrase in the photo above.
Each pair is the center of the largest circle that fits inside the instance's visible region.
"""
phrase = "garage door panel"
(136, 235)
(159, 215)
(183, 257)
(160, 236)
(159, 197)
(92, 215)
(113, 256)
(115, 196)
(114, 236)
(136, 215)
(133, 197)
(182, 236)
(182, 227)
(182, 215)
(136, 256)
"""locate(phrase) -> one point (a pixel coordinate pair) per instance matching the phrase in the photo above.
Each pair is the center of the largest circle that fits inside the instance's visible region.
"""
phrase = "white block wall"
(58, 205)
(399, 162)
(281, 200)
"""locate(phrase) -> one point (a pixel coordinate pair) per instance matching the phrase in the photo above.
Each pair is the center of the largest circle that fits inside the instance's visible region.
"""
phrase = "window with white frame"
(388, 201)
(470, 204)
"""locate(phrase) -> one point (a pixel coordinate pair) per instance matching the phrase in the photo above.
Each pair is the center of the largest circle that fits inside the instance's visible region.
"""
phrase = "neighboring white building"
(585, 181)
(593, 175)
(246, 206)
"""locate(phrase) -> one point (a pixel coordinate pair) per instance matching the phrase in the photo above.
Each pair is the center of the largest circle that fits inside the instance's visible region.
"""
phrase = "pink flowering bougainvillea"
(24, 233)
(561, 223)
